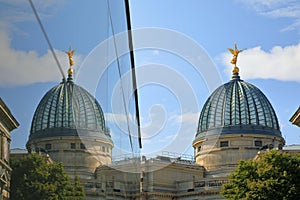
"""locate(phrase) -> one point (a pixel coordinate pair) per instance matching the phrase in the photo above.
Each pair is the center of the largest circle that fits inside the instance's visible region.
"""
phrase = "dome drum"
(228, 149)
(238, 129)
(80, 155)
(64, 132)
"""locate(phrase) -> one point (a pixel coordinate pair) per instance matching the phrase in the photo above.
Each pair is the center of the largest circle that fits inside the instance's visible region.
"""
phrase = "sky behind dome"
(268, 30)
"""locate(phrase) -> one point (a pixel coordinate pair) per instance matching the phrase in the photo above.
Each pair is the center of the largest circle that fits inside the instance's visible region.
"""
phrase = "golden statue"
(70, 53)
(235, 54)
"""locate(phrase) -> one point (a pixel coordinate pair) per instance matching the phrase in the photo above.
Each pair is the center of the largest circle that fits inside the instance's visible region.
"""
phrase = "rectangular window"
(82, 146)
(258, 143)
(103, 149)
(224, 144)
(48, 146)
(73, 146)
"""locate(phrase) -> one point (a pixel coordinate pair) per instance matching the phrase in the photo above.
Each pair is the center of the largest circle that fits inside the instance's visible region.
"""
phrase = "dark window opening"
(48, 146)
(199, 148)
(73, 146)
(82, 146)
(258, 143)
(224, 144)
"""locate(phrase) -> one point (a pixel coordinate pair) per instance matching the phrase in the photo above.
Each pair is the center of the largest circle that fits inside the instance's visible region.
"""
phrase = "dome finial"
(235, 52)
(70, 53)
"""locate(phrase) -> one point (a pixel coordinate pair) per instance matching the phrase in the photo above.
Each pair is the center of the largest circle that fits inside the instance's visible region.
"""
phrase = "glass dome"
(237, 107)
(65, 109)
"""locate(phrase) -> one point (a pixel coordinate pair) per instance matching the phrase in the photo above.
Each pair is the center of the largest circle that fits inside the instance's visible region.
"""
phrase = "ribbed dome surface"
(66, 108)
(237, 107)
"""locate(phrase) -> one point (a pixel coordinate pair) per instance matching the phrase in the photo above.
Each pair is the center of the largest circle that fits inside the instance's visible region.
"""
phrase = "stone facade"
(156, 178)
(226, 150)
(7, 124)
(80, 156)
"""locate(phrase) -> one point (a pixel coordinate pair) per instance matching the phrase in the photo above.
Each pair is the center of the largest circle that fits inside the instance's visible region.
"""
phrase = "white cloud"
(27, 67)
(117, 118)
(188, 118)
(23, 68)
(277, 9)
(274, 8)
(281, 63)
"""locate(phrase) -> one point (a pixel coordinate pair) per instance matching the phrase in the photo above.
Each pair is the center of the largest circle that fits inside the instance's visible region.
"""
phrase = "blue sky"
(268, 29)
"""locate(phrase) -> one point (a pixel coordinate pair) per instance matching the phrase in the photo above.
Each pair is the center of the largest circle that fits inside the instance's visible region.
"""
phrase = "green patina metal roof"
(237, 107)
(66, 108)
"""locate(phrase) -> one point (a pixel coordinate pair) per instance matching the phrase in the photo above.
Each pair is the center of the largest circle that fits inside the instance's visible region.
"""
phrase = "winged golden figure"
(235, 52)
(70, 53)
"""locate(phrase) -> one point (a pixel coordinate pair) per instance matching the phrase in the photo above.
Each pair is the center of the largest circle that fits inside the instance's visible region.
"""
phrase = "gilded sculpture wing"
(231, 51)
(242, 50)
(72, 52)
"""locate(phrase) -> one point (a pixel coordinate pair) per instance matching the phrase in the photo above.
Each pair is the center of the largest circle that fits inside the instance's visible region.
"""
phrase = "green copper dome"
(68, 110)
(237, 107)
